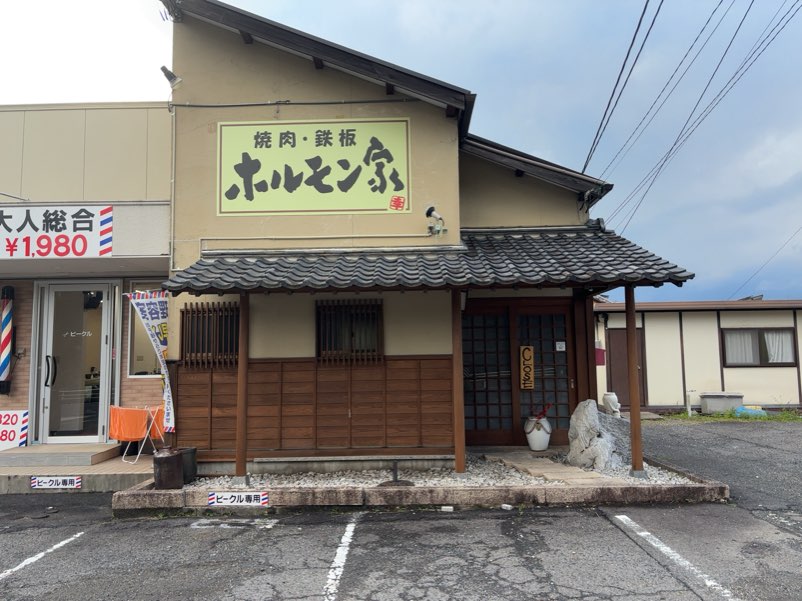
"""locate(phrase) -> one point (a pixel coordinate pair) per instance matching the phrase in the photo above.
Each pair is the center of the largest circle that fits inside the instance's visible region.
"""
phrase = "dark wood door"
(549, 332)
(617, 372)
(487, 372)
(495, 405)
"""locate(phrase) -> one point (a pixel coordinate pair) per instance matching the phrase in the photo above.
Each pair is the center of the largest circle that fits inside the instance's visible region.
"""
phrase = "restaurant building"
(353, 273)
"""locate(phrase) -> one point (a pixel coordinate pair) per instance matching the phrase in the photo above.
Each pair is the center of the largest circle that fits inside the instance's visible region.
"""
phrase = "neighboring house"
(687, 348)
(84, 217)
(365, 271)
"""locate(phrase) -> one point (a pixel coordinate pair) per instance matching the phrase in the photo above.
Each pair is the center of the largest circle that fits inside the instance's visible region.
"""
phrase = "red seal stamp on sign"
(398, 203)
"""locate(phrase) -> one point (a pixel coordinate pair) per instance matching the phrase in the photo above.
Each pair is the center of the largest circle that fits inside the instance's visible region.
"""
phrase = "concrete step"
(58, 455)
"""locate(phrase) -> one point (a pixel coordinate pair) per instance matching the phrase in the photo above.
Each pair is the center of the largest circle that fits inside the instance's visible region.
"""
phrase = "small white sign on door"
(559, 346)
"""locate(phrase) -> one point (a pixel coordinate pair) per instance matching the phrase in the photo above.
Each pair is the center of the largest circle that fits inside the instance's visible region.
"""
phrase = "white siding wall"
(663, 359)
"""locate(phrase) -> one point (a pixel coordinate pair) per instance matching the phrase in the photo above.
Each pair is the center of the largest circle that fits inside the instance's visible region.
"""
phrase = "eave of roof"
(590, 189)
(715, 305)
(327, 53)
(586, 257)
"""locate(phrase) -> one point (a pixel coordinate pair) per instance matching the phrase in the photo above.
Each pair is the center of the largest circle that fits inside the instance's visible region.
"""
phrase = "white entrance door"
(75, 362)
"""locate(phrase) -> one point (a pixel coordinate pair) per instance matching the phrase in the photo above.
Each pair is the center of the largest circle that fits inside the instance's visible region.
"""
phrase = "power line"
(643, 182)
(668, 81)
(612, 93)
(769, 260)
(690, 116)
(765, 42)
(629, 74)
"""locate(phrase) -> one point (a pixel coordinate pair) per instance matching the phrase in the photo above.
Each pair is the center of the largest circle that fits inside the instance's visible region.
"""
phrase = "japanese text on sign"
(55, 232)
(239, 498)
(313, 167)
(55, 481)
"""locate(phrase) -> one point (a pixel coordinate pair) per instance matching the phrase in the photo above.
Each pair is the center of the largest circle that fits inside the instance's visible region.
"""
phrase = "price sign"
(54, 232)
(13, 429)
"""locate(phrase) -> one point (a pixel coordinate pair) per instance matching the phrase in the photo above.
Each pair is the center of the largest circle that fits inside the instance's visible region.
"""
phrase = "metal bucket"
(168, 469)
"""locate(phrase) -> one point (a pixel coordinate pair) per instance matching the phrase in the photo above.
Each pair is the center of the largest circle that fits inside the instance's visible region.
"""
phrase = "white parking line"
(258, 523)
(338, 565)
(675, 557)
(39, 556)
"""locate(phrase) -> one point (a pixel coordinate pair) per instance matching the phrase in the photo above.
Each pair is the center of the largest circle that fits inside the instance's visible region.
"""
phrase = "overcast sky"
(543, 71)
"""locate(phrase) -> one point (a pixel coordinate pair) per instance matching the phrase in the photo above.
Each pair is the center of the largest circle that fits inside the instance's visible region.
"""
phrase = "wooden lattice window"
(350, 331)
(210, 334)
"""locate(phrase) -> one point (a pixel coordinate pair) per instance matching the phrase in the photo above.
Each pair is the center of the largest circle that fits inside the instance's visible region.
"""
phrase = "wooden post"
(634, 383)
(457, 383)
(242, 385)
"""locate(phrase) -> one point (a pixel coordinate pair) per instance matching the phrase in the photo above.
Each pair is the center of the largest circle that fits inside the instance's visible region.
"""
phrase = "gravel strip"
(478, 473)
(656, 475)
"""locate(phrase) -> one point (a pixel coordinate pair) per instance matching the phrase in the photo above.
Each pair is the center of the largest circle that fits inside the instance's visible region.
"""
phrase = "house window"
(349, 331)
(210, 334)
(767, 347)
(142, 358)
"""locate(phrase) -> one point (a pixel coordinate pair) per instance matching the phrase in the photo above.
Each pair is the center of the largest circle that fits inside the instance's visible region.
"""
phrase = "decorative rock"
(617, 432)
(597, 440)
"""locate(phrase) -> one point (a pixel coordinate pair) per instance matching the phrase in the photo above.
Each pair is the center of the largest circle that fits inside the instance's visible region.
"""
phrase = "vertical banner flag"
(151, 306)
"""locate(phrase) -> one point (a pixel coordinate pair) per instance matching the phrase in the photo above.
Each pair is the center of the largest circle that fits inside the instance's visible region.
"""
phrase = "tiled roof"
(544, 257)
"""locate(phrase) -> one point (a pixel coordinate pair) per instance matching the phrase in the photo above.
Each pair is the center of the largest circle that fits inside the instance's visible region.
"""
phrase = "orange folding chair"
(128, 424)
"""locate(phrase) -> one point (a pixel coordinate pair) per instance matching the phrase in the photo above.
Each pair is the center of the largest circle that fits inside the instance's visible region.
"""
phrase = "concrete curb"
(21, 484)
(144, 500)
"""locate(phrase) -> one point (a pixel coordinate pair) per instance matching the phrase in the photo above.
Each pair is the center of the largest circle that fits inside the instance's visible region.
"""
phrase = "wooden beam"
(634, 382)
(318, 62)
(457, 381)
(389, 89)
(242, 385)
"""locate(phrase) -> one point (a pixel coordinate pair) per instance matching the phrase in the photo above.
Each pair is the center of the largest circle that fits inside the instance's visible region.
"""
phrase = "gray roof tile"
(490, 258)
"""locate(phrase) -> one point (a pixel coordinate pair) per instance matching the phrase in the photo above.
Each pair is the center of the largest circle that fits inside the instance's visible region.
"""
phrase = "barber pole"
(6, 332)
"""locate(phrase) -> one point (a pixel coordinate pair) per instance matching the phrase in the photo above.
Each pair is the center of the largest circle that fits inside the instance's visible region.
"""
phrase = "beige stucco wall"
(99, 152)
(619, 320)
(217, 67)
(283, 325)
(491, 196)
(663, 359)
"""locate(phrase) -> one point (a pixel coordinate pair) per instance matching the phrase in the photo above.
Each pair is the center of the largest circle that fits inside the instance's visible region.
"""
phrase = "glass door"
(75, 362)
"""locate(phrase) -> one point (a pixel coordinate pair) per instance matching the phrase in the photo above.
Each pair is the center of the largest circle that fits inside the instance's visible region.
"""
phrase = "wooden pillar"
(634, 386)
(457, 383)
(242, 385)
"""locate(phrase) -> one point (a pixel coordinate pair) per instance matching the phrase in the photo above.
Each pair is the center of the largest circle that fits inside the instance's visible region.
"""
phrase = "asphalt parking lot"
(66, 547)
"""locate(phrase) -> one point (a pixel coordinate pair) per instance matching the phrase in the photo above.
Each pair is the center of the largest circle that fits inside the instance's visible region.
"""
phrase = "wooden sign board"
(527, 371)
